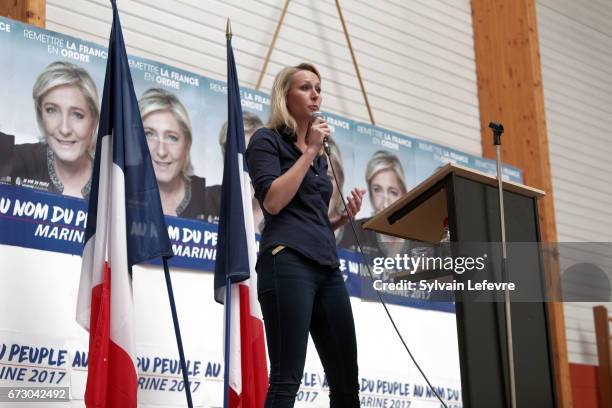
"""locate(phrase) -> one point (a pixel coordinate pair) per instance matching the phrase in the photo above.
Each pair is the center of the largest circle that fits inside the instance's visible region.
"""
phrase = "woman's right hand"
(318, 131)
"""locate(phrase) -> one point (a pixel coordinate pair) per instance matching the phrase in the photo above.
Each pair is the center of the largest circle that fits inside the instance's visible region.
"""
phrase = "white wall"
(416, 57)
(576, 53)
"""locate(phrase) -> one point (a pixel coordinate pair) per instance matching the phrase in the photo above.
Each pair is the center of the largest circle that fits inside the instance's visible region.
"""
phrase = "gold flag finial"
(228, 30)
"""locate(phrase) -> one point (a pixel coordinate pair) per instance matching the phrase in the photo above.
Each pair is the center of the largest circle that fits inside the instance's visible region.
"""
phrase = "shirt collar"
(287, 133)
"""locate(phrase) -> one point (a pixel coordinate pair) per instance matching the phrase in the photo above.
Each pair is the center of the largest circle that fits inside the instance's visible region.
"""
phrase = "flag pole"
(228, 296)
(228, 319)
(177, 331)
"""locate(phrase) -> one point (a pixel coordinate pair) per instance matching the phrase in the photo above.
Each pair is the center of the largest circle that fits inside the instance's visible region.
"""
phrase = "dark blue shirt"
(303, 224)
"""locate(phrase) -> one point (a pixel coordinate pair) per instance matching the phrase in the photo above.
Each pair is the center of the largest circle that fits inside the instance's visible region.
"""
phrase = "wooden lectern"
(469, 199)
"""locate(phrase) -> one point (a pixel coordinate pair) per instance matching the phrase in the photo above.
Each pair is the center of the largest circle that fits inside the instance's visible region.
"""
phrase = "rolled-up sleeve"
(262, 156)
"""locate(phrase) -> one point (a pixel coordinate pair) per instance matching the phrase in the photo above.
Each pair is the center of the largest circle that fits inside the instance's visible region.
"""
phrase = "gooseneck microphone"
(319, 115)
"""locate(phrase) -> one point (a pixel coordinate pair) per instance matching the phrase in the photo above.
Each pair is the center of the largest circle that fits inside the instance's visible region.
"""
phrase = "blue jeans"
(297, 296)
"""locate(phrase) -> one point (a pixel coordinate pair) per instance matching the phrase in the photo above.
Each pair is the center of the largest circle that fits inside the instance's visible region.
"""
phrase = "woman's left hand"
(353, 204)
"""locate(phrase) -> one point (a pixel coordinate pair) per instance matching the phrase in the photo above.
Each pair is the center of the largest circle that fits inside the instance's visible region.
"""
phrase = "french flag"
(247, 373)
(125, 226)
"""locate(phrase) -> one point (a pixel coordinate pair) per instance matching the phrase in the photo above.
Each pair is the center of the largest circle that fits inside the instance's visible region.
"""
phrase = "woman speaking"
(300, 286)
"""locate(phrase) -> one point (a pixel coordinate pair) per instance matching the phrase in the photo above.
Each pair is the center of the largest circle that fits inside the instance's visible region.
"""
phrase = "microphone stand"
(498, 129)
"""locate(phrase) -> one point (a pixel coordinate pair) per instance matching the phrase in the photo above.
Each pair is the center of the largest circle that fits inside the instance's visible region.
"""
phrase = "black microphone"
(498, 129)
(319, 115)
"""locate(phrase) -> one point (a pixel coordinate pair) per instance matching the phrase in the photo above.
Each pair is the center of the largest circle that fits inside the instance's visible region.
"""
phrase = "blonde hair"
(251, 123)
(383, 160)
(338, 164)
(157, 100)
(62, 73)
(279, 113)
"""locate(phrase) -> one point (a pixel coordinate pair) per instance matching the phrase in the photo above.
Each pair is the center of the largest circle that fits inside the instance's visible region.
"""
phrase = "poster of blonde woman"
(66, 106)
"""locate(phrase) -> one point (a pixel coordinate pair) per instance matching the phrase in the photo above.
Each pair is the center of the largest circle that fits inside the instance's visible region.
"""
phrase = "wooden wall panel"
(510, 91)
(28, 11)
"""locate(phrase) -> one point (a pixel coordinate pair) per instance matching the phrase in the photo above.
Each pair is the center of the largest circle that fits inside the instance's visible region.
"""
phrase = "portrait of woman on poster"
(67, 113)
(299, 284)
(169, 136)
(386, 182)
(251, 123)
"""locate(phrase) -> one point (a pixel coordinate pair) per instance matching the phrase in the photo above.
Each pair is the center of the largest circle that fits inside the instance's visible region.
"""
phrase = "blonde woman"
(169, 136)
(386, 181)
(300, 286)
(386, 184)
(251, 123)
(67, 112)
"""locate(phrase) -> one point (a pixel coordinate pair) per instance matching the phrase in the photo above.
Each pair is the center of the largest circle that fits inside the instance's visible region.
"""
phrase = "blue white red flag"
(236, 258)
(125, 226)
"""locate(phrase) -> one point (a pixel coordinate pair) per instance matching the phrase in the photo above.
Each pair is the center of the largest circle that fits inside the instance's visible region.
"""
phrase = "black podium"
(470, 201)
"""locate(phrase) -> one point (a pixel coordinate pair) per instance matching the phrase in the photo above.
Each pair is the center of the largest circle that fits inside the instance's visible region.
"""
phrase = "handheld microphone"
(319, 115)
